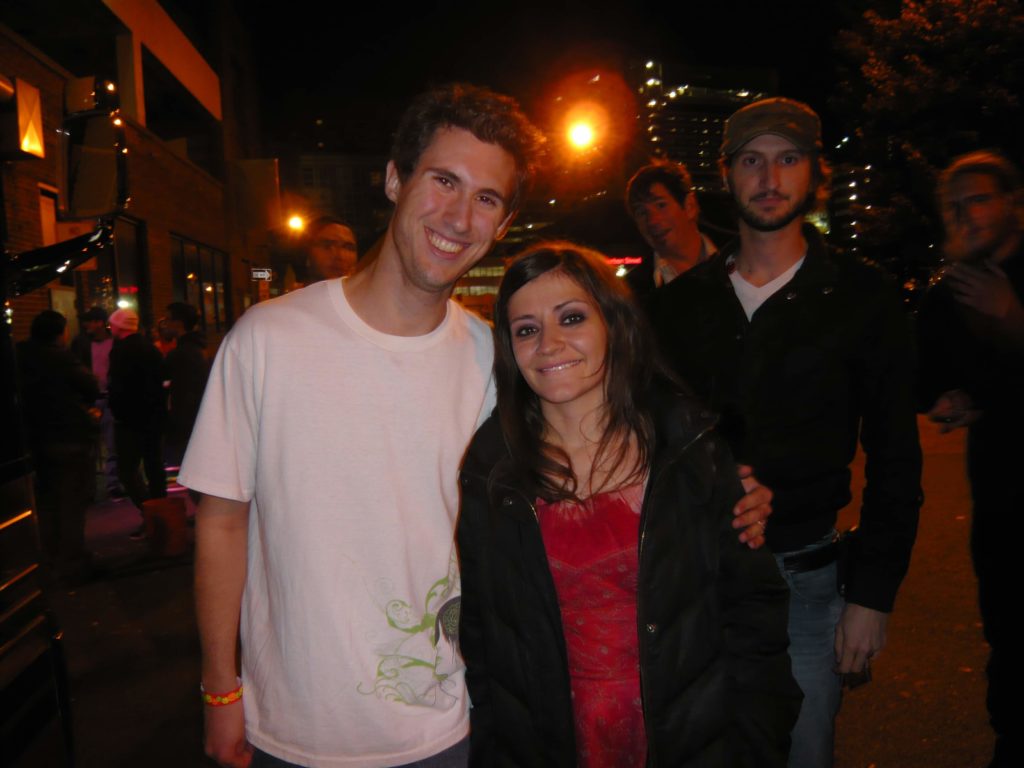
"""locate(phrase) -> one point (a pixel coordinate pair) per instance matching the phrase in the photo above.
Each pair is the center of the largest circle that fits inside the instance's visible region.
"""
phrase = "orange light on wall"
(30, 118)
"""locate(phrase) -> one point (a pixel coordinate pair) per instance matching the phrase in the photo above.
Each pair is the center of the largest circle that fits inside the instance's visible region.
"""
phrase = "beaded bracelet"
(221, 699)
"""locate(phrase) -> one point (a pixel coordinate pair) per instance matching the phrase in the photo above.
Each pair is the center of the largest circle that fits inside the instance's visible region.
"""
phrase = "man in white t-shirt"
(327, 450)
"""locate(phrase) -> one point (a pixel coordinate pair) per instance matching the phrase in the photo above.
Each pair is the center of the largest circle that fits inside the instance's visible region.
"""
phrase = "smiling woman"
(602, 490)
(559, 342)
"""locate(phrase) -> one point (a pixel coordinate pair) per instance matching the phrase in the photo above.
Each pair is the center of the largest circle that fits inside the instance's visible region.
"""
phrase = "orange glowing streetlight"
(586, 124)
(581, 134)
(296, 223)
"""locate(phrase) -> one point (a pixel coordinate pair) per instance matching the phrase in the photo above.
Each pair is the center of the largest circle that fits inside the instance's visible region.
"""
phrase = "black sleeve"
(892, 492)
(468, 532)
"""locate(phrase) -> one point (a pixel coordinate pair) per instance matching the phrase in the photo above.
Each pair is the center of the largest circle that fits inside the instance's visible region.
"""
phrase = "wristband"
(222, 699)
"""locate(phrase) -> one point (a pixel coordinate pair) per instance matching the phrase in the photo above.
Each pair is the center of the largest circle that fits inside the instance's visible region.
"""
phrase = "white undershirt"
(753, 296)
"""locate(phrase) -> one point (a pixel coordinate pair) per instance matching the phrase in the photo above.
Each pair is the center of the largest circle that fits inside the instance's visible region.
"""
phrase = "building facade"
(189, 116)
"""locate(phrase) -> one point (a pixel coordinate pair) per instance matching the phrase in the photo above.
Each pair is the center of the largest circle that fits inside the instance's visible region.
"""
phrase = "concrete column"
(129, 77)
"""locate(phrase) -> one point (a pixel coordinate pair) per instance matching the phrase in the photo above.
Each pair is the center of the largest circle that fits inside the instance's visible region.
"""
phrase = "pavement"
(132, 651)
(134, 657)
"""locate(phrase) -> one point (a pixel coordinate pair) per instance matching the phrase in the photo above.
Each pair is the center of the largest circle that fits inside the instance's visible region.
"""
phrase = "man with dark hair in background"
(661, 199)
(139, 405)
(331, 249)
(801, 350)
(971, 332)
(58, 394)
(92, 346)
(185, 372)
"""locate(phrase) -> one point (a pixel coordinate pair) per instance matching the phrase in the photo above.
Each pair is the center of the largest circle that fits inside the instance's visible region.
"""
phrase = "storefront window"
(200, 276)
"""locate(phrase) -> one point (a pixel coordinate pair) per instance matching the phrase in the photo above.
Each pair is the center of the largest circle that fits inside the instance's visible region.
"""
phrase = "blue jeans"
(814, 610)
(454, 757)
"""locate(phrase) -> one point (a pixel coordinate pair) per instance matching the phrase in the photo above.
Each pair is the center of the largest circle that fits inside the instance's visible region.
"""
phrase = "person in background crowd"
(662, 202)
(802, 350)
(59, 395)
(166, 336)
(331, 249)
(138, 402)
(92, 346)
(599, 488)
(971, 338)
(185, 372)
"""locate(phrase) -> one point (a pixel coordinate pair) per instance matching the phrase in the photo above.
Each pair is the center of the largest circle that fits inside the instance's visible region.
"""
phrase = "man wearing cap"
(802, 350)
(663, 204)
(138, 402)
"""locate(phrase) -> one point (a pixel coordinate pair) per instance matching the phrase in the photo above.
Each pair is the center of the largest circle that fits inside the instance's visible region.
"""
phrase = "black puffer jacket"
(711, 614)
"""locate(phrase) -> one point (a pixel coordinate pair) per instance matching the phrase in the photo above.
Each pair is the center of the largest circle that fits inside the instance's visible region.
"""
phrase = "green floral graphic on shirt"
(417, 661)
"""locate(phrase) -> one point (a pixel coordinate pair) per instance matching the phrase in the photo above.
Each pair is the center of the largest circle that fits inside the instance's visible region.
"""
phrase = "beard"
(777, 221)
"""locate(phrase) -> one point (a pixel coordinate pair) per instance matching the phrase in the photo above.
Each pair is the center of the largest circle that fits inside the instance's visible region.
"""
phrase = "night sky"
(357, 70)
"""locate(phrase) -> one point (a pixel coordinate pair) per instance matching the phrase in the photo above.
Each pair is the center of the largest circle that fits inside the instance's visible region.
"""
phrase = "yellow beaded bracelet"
(221, 699)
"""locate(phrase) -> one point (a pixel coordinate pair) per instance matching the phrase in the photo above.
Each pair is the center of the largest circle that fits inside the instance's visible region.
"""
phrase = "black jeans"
(137, 445)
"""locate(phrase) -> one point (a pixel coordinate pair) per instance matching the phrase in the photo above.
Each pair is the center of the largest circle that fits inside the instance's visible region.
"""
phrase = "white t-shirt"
(347, 441)
(751, 296)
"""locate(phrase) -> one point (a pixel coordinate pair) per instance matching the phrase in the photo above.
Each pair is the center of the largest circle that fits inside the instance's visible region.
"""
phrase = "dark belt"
(812, 560)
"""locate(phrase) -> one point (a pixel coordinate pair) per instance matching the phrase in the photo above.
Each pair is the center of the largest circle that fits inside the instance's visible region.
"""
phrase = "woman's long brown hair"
(630, 365)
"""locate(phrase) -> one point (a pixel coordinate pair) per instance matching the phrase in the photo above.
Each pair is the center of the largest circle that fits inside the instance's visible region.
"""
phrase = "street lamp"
(296, 223)
(586, 125)
(581, 134)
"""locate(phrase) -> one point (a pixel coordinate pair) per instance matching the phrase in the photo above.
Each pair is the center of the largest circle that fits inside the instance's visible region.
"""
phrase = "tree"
(939, 78)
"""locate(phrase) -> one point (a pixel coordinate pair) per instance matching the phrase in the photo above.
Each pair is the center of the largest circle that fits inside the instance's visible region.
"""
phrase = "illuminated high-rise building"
(682, 111)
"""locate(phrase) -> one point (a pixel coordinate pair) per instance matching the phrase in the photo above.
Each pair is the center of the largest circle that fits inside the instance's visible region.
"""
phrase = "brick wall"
(21, 178)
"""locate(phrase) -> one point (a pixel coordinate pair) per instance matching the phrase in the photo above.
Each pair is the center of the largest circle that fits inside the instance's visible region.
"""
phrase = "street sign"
(262, 273)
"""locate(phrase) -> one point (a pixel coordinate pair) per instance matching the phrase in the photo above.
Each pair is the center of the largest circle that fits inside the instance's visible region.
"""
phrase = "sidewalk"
(132, 650)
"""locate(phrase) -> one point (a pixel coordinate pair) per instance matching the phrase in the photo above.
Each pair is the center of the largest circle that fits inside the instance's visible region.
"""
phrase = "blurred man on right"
(971, 329)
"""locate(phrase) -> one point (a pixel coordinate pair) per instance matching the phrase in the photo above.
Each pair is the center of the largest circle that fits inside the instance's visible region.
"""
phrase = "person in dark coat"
(609, 615)
(58, 395)
(92, 346)
(138, 402)
(185, 372)
(971, 337)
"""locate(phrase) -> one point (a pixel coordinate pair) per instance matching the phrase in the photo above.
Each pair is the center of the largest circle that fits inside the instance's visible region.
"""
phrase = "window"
(48, 214)
(200, 276)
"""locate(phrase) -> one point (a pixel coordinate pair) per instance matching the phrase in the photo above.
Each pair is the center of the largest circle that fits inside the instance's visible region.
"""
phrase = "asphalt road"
(133, 653)
(926, 704)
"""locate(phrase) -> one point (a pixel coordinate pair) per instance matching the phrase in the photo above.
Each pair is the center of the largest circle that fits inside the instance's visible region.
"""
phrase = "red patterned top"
(592, 551)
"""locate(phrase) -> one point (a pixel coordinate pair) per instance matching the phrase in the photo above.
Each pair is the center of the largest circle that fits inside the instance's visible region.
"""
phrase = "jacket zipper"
(654, 479)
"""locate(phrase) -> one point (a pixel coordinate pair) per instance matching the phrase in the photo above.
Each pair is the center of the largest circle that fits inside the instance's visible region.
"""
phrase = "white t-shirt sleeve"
(221, 455)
